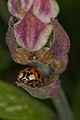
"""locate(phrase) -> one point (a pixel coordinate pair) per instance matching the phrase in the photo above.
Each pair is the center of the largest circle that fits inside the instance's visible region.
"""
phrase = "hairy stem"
(61, 104)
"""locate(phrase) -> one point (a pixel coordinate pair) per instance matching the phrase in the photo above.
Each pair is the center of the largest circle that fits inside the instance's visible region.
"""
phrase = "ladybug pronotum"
(30, 77)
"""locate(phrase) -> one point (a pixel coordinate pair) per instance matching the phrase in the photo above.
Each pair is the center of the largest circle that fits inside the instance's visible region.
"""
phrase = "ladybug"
(30, 77)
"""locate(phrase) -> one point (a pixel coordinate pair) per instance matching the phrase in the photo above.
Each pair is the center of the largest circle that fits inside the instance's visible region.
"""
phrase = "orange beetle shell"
(31, 77)
(37, 74)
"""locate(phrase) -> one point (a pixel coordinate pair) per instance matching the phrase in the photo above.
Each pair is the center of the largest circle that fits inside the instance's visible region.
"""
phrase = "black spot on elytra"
(28, 74)
(24, 73)
(36, 71)
(29, 69)
(38, 75)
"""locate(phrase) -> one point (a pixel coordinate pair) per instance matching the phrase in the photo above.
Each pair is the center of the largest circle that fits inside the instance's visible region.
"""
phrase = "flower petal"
(19, 55)
(43, 92)
(31, 33)
(60, 65)
(45, 9)
(26, 4)
(18, 8)
(61, 45)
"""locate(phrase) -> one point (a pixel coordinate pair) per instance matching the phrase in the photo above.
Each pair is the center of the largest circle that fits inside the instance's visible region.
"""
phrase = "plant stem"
(61, 104)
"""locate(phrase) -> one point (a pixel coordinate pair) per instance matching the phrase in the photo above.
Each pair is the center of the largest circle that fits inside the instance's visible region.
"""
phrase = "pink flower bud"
(28, 37)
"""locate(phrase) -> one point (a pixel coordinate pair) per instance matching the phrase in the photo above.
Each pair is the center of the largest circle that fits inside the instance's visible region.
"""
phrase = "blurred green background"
(69, 17)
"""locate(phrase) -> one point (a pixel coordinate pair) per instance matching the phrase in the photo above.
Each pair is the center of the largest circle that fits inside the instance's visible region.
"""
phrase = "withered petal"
(60, 65)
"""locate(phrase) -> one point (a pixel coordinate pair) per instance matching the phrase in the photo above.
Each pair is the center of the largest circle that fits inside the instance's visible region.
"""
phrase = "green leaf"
(15, 104)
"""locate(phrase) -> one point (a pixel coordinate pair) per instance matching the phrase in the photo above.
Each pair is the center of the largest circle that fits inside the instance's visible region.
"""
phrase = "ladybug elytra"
(30, 77)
